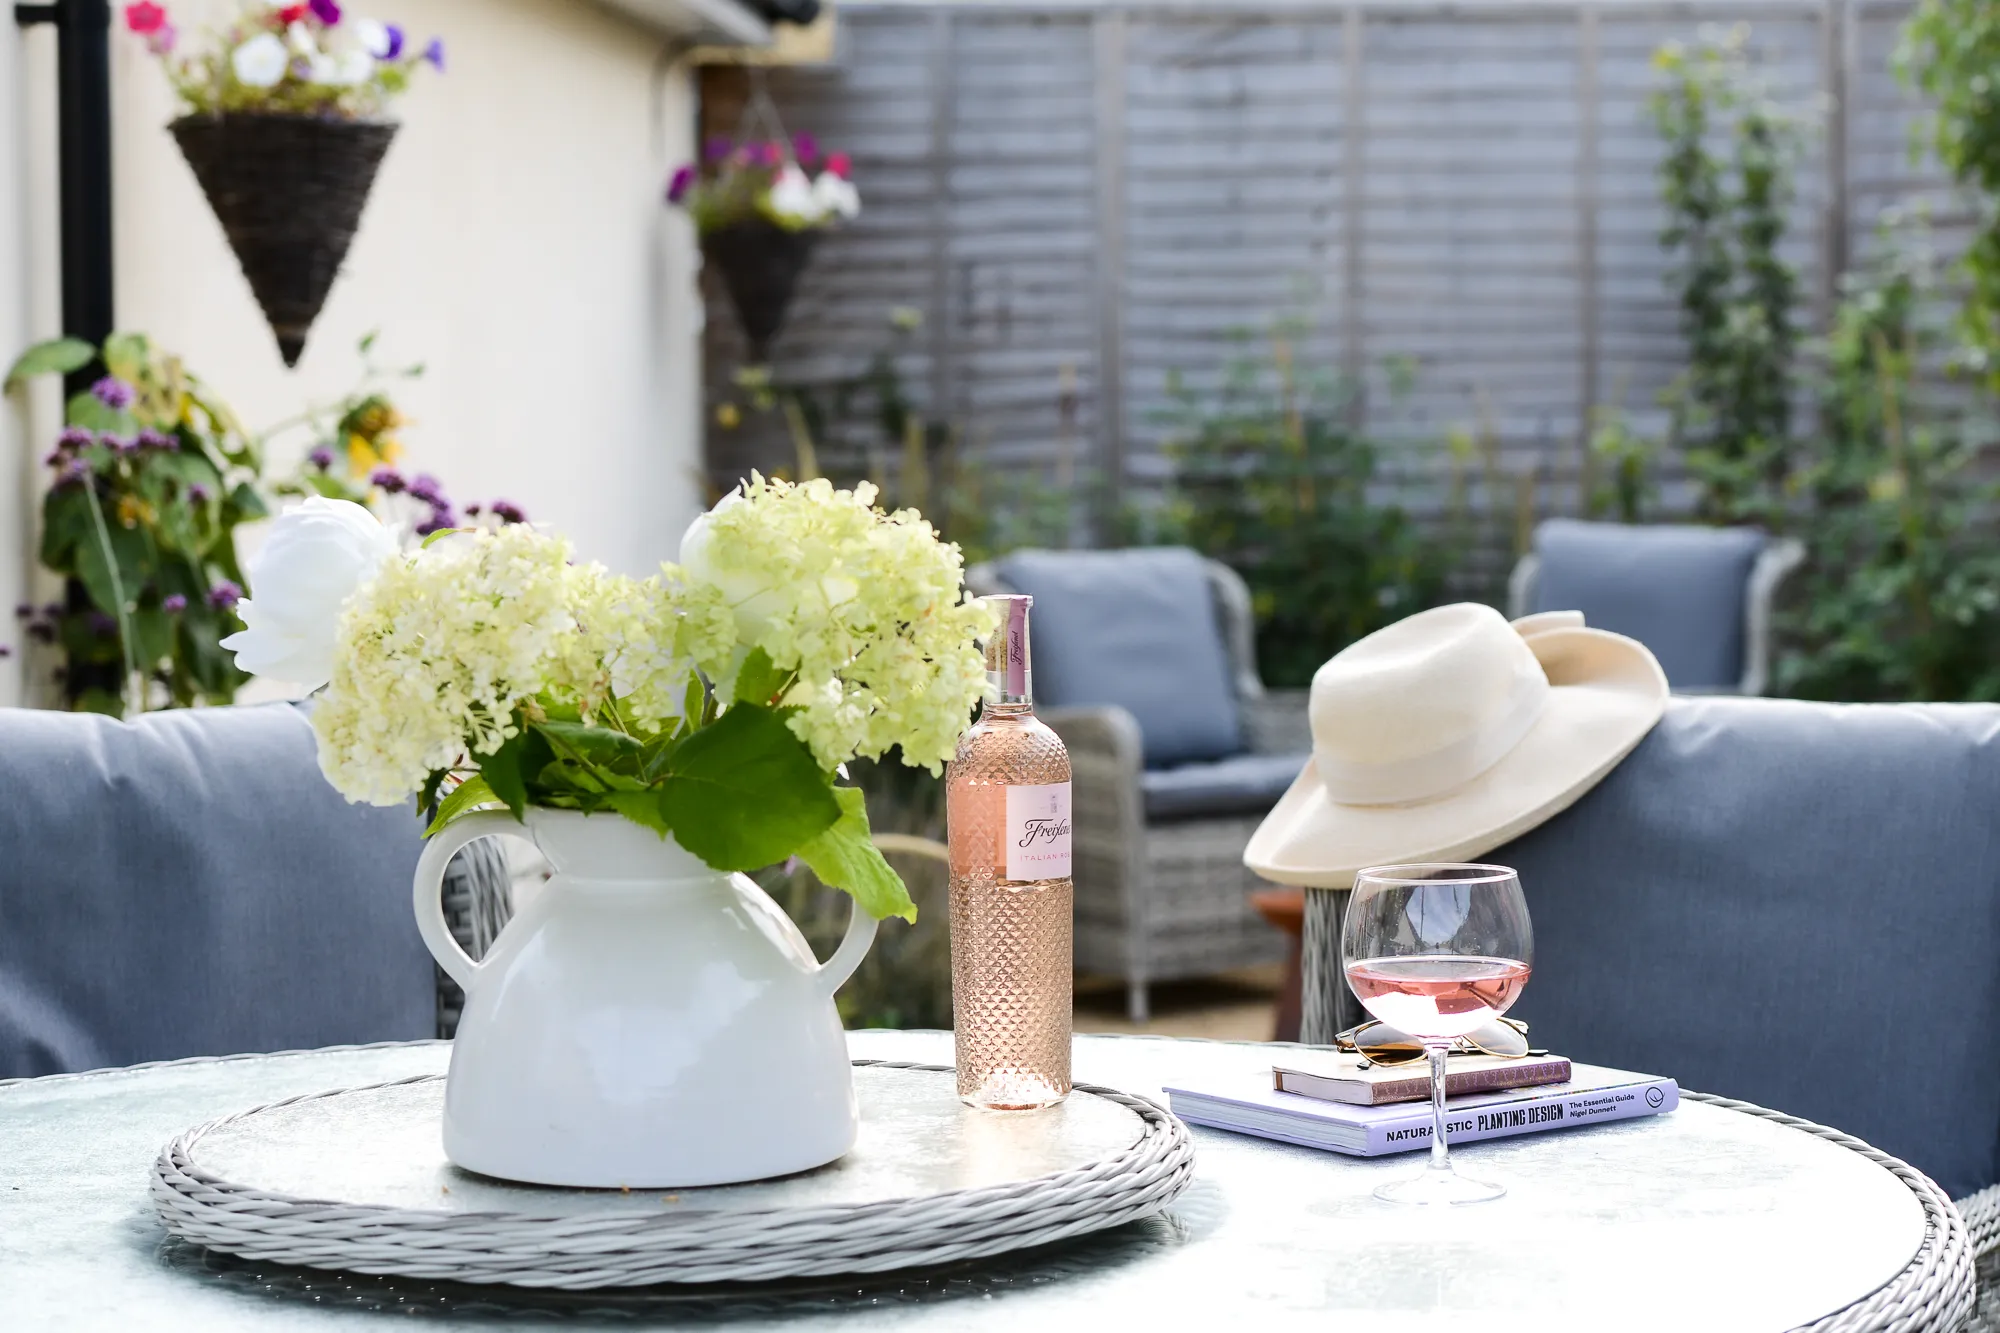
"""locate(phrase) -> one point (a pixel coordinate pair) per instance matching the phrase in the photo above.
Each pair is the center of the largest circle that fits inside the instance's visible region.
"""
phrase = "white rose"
(835, 195)
(792, 196)
(260, 62)
(313, 560)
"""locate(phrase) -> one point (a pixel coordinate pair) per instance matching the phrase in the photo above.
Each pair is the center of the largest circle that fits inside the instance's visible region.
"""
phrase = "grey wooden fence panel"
(1472, 189)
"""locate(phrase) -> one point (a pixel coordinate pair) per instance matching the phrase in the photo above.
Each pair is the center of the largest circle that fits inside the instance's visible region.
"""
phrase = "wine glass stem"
(1440, 1155)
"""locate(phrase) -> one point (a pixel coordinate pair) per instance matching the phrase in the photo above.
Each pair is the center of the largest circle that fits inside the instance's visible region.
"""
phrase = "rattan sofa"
(1165, 899)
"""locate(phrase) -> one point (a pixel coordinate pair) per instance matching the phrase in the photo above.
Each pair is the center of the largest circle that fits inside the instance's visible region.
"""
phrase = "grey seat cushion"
(1136, 628)
(1679, 590)
(1243, 784)
(1795, 904)
(188, 884)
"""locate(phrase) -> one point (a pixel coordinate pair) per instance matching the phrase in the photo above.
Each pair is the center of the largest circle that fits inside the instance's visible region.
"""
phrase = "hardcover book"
(1250, 1105)
(1337, 1076)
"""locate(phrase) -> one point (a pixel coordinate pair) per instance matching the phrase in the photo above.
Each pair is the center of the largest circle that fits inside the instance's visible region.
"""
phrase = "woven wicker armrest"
(1276, 722)
(1105, 756)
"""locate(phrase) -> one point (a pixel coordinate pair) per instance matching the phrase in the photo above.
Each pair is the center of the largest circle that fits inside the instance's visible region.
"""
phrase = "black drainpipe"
(83, 102)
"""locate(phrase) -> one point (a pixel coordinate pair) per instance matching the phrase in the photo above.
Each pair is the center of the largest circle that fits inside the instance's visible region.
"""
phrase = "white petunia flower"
(260, 62)
(835, 195)
(345, 70)
(792, 196)
(300, 39)
(373, 34)
(315, 558)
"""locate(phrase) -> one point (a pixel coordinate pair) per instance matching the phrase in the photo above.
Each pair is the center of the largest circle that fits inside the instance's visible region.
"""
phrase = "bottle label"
(1038, 832)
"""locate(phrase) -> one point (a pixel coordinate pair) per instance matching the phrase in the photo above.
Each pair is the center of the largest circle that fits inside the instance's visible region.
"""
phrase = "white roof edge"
(707, 22)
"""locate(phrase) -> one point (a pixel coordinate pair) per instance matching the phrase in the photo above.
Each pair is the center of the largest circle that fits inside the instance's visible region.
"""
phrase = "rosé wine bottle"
(1007, 810)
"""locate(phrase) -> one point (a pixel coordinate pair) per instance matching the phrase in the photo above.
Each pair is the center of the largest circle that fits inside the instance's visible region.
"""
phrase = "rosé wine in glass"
(1438, 951)
(1438, 996)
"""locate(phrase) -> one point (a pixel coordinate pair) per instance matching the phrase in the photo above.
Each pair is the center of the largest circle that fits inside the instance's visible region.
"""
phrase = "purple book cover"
(1592, 1096)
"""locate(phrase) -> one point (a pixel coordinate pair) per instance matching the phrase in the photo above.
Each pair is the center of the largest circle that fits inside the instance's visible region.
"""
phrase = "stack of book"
(1334, 1101)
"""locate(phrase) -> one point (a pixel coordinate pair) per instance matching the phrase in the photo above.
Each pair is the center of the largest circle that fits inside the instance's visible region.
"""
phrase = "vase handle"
(835, 971)
(429, 888)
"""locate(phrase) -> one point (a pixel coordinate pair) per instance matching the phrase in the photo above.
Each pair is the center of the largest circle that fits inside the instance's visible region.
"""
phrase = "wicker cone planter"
(760, 264)
(288, 191)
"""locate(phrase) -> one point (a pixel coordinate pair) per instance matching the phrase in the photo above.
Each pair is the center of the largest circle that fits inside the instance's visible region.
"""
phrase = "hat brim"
(1607, 693)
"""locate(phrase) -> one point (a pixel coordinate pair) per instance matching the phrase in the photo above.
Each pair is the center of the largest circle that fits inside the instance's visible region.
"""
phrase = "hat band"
(1421, 777)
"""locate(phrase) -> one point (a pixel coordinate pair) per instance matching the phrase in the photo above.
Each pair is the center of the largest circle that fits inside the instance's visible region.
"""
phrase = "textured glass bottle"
(1007, 808)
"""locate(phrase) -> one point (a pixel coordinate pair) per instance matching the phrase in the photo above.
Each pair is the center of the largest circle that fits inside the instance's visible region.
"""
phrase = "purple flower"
(152, 439)
(55, 459)
(224, 596)
(73, 473)
(805, 148)
(101, 625)
(717, 148)
(766, 155)
(76, 437)
(197, 494)
(472, 511)
(42, 633)
(5, 652)
(508, 512)
(441, 520)
(430, 490)
(118, 444)
(682, 182)
(388, 479)
(321, 458)
(113, 392)
(326, 11)
(435, 53)
(397, 40)
(23, 611)
(173, 603)
(52, 610)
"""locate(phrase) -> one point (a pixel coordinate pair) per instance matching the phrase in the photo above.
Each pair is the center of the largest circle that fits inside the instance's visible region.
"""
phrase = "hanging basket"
(760, 264)
(288, 191)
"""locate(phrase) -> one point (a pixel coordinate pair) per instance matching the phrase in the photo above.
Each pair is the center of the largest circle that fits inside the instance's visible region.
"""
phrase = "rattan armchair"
(1161, 900)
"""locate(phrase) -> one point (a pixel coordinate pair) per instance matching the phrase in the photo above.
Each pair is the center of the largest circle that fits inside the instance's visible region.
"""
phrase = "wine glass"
(1438, 951)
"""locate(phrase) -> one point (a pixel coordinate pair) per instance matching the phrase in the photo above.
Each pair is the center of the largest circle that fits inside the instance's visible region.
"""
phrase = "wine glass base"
(1439, 1187)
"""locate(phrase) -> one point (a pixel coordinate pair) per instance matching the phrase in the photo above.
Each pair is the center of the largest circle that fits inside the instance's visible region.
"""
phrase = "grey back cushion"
(188, 884)
(1136, 628)
(1794, 904)
(1677, 589)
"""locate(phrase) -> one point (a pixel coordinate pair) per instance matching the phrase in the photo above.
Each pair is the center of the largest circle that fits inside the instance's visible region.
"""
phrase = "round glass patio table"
(1702, 1219)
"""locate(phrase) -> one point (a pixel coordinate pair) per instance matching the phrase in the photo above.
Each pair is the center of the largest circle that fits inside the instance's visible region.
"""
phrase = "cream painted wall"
(516, 244)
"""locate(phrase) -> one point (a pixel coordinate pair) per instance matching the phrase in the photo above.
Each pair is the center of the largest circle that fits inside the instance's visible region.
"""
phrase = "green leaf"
(427, 796)
(644, 807)
(58, 356)
(246, 503)
(126, 355)
(744, 792)
(507, 768)
(845, 857)
(152, 638)
(87, 411)
(759, 681)
(66, 524)
(130, 549)
(470, 794)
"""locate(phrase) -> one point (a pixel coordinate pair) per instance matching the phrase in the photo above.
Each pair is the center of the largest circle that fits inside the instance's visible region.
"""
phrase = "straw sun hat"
(1452, 732)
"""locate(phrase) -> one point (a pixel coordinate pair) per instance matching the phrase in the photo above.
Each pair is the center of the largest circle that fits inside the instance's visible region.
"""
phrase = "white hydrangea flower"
(792, 196)
(261, 61)
(879, 631)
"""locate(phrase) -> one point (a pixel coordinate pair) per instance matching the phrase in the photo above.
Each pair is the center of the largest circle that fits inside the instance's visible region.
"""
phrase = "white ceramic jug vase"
(645, 1021)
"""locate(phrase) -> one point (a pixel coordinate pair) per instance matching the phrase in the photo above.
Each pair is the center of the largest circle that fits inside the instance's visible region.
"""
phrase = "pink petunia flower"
(840, 164)
(145, 17)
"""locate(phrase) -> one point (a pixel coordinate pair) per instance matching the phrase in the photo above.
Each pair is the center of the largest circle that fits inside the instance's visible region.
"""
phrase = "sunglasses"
(1379, 1044)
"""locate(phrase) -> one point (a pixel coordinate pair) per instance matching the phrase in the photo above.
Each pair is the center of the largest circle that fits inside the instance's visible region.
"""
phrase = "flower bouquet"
(712, 704)
(759, 211)
(283, 124)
